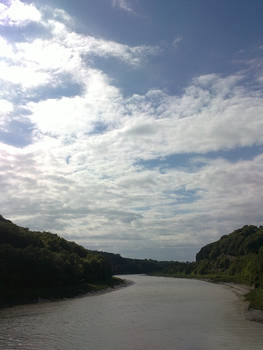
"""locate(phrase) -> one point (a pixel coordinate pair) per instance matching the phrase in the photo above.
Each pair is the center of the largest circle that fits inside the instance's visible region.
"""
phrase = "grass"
(255, 298)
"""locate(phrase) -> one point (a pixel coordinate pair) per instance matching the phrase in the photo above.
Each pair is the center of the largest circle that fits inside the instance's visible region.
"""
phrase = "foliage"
(122, 265)
(38, 260)
(255, 297)
(237, 257)
(239, 254)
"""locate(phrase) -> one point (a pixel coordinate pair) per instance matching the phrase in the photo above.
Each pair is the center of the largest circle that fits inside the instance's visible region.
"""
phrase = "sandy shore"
(241, 290)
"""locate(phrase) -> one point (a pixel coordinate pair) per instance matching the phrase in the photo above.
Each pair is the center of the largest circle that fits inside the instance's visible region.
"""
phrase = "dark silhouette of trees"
(41, 260)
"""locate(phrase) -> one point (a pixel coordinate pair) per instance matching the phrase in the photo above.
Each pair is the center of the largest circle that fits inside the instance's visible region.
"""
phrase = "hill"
(37, 265)
(236, 257)
(41, 265)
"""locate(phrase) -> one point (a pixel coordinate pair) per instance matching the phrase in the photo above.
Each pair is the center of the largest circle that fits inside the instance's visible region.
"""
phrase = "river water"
(155, 313)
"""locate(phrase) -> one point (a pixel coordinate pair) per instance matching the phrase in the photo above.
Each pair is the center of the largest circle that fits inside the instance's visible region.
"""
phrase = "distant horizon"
(133, 127)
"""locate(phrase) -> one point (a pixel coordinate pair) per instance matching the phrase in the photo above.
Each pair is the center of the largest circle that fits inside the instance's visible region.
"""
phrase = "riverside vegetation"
(236, 257)
(37, 265)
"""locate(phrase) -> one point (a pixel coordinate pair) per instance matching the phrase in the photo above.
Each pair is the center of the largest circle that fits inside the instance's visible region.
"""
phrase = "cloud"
(123, 5)
(85, 198)
(41, 61)
(213, 113)
(6, 108)
(77, 114)
(17, 13)
(177, 41)
(22, 75)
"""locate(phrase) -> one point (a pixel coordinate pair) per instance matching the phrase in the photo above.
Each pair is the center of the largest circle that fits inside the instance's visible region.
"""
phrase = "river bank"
(243, 291)
(24, 296)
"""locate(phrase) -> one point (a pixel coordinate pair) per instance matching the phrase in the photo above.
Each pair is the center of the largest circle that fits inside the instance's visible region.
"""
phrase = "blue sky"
(132, 126)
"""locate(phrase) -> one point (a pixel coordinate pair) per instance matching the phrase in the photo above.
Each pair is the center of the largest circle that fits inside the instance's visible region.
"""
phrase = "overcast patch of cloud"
(90, 185)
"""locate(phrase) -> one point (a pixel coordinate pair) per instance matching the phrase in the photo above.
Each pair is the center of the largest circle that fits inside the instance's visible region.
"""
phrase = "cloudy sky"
(132, 126)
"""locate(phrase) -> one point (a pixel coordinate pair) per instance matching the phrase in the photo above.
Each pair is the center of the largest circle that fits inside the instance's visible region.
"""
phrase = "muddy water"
(152, 314)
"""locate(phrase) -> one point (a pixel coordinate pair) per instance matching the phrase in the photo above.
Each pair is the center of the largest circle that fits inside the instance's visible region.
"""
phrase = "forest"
(37, 265)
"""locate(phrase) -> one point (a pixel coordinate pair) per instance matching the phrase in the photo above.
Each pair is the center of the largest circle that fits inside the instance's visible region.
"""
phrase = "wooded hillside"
(238, 255)
(41, 263)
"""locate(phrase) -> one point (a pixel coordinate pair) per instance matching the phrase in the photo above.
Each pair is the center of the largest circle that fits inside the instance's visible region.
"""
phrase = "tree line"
(42, 263)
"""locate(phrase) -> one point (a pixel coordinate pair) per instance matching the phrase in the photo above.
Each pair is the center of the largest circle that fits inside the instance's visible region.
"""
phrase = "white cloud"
(46, 61)
(17, 13)
(79, 199)
(203, 119)
(96, 46)
(6, 49)
(27, 77)
(123, 5)
(78, 115)
(6, 107)
(177, 41)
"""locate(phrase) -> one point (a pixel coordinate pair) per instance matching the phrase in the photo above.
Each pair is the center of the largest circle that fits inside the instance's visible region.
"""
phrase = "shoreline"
(69, 292)
(241, 290)
(123, 284)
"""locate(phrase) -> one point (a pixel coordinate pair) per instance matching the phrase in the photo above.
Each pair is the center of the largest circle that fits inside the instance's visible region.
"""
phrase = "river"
(154, 313)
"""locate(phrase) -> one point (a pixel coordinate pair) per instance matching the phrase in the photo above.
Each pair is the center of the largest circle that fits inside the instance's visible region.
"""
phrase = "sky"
(132, 126)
